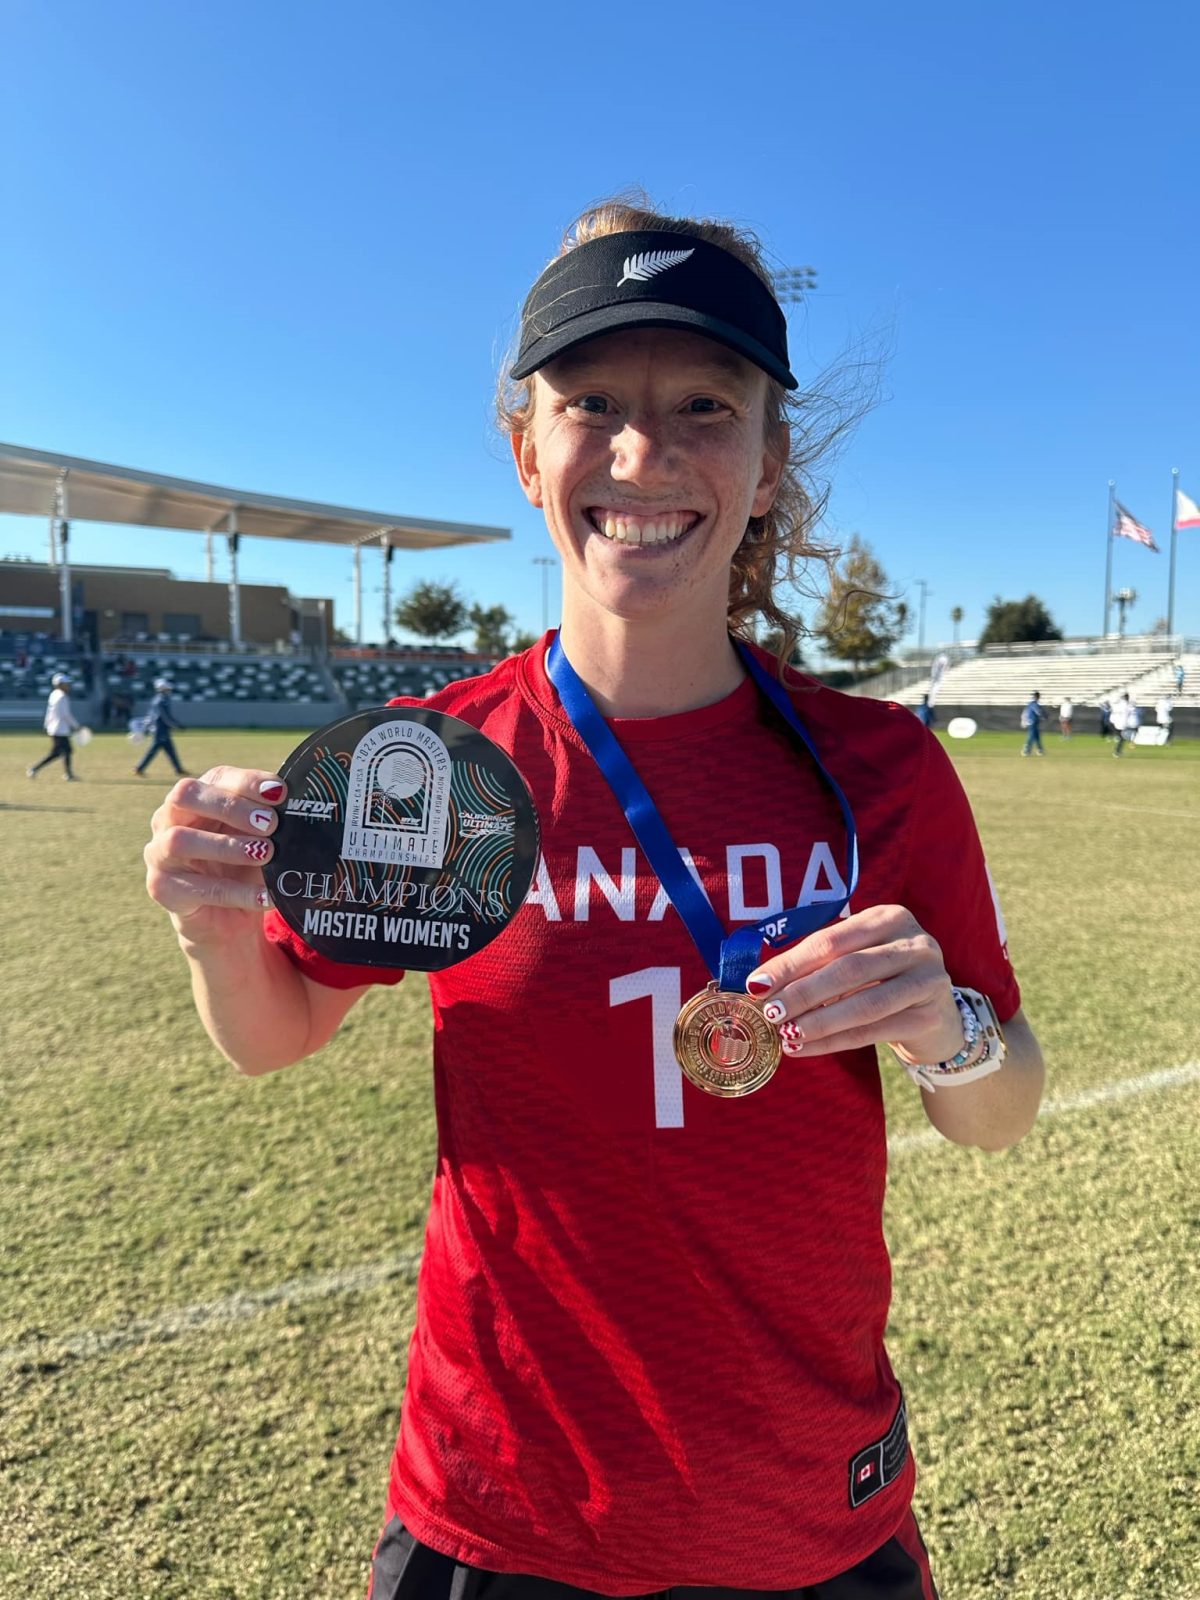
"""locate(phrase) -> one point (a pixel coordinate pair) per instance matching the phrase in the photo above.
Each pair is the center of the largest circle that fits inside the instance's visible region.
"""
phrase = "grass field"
(172, 1425)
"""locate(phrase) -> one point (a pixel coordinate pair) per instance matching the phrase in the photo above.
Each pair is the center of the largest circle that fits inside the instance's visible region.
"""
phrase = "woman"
(648, 1354)
(60, 723)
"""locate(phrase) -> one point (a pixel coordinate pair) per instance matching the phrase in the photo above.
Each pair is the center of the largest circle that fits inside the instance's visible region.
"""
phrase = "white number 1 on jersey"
(661, 986)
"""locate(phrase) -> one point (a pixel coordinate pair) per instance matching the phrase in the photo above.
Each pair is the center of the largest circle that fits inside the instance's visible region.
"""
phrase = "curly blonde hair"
(800, 428)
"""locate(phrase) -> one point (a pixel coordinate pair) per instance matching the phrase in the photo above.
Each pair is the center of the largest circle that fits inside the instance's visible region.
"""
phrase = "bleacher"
(201, 678)
(216, 686)
(366, 681)
(1085, 677)
(1161, 680)
(31, 680)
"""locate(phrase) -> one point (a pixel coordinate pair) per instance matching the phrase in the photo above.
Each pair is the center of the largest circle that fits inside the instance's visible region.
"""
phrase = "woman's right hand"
(209, 840)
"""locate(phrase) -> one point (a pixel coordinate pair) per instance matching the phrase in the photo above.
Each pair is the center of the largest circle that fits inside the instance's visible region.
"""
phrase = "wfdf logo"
(314, 810)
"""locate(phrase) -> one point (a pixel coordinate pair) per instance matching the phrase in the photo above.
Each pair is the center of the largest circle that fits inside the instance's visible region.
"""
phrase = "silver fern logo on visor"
(641, 268)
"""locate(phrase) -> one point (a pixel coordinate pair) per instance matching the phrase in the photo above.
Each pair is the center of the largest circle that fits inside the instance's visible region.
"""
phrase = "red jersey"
(649, 1339)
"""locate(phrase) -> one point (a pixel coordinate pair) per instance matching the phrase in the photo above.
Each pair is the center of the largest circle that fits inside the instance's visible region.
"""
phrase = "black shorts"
(405, 1569)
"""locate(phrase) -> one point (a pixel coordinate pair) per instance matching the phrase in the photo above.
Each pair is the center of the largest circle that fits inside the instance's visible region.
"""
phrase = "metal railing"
(1134, 644)
(883, 684)
(279, 649)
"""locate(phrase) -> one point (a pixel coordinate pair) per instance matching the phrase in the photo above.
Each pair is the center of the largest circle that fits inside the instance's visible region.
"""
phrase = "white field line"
(212, 1313)
(1122, 1089)
(90, 1342)
(1142, 811)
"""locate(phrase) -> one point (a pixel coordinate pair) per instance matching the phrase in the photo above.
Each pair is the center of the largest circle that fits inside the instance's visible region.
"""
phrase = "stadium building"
(116, 606)
(237, 654)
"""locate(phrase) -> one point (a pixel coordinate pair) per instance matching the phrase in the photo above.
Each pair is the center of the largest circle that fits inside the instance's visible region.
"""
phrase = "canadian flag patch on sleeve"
(878, 1464)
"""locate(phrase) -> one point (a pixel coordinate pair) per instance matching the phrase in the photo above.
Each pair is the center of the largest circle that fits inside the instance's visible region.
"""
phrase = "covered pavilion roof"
(98, 492)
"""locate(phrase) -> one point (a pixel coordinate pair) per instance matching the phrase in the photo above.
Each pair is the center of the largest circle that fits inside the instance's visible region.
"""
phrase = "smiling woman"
(655, 1265)
(648, 457)
(799, 427)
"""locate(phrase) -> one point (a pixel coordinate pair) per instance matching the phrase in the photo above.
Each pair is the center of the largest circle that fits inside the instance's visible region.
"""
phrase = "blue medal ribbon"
(729, 958)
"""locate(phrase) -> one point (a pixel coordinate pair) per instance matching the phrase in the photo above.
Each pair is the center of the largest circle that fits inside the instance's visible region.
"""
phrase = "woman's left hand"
(871, 978)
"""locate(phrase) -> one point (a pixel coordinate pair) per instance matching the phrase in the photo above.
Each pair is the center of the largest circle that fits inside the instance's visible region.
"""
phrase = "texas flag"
(1187, 512)
(1128, 527)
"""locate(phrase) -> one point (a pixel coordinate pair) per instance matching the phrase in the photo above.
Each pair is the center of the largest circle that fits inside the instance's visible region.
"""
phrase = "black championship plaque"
(408, 839)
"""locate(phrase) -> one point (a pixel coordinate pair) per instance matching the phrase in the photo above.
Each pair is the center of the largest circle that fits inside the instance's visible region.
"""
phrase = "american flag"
(1127, 526)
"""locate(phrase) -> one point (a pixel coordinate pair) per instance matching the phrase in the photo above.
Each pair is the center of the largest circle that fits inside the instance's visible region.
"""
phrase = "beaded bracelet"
(969, 1064)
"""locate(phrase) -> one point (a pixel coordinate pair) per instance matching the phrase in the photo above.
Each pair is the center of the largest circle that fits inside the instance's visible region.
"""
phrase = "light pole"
(1123, 598)
(924, 588)
(545, 562)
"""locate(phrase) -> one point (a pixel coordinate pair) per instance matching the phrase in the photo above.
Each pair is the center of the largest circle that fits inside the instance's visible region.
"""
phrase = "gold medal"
(724, 1043)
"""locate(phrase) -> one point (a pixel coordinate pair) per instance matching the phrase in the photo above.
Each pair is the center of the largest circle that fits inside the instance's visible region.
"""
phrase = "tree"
(432, 610)
(1015, 621)
(491, 629)
(522, 641)
(956, 616)
(858, 620)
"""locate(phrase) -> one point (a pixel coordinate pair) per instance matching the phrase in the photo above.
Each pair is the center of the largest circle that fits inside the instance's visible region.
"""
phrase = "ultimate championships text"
(428, 907)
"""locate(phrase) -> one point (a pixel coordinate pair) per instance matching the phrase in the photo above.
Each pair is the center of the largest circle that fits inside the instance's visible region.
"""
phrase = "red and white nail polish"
(271, 791)
(257, 849)
(262, 898)
(773, 1011)
(756, 984)
(791, 1037)
(262, 820)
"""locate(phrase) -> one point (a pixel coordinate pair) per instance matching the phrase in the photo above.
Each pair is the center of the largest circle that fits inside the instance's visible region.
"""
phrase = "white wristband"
(929, 1076)
(982, 1053)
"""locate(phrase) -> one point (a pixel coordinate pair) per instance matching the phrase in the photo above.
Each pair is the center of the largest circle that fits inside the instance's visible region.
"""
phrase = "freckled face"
(646, 455)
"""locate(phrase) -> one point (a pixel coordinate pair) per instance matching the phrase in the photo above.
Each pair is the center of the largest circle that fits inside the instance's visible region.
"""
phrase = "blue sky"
(282, 247)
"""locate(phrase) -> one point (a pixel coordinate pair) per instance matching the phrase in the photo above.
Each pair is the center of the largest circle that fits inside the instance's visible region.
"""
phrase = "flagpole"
(1112, 487)
(1170, 581)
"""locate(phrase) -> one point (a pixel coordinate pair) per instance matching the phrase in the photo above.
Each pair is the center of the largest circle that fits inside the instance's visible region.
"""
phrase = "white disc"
(83, 736)
(962, 727)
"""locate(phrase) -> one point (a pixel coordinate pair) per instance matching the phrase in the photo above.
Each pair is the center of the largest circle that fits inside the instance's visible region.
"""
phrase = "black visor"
(652, 280)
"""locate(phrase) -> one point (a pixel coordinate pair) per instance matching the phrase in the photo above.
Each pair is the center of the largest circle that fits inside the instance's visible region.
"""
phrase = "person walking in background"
(60, 723)
(1123, 719)
(160, 719)
(1164, 712)
(1180, 675)
(1031, 721)
(925, 712)
(1105, 714)
(1065, 712)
